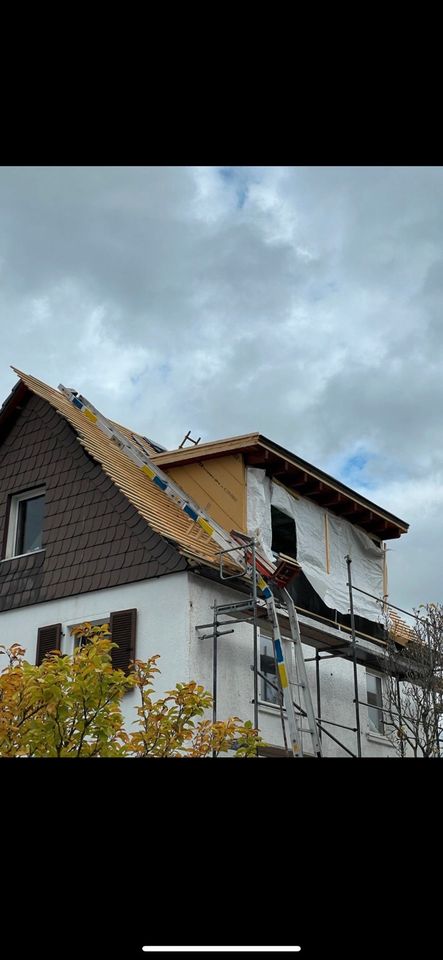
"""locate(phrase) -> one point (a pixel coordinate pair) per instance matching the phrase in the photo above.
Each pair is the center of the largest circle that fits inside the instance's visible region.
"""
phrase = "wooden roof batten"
(305, 479)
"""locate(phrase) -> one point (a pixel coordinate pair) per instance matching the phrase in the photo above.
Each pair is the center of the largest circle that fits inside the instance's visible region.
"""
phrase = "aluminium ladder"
(199, 516)
(288, 653)
(293, 675)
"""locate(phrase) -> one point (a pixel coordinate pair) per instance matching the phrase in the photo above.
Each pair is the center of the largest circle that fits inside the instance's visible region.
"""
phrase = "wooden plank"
(333, 501)
(218, 486)
(326, 519)
(302, 482)
(312, 489)
(215, 448)
(350, 509)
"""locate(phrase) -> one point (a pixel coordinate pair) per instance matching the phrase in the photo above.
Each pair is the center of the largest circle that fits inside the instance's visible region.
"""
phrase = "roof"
(160, 512)
(298, 475)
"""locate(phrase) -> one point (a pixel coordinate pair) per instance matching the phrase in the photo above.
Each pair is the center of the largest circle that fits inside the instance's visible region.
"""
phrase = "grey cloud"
(312, 313)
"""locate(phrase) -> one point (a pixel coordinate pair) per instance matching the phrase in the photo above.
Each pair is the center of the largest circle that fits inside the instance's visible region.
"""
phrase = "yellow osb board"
(218, 486)
(162, 514)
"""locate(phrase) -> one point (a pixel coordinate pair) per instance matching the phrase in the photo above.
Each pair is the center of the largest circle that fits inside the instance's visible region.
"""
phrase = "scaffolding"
(283, 624)
(330, 640)
(289, 661)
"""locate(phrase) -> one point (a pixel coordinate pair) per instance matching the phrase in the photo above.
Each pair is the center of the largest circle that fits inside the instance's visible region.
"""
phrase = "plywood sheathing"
(160, 512)
(218, 486)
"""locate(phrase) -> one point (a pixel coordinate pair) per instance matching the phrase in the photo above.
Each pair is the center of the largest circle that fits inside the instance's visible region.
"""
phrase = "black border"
(101, 858)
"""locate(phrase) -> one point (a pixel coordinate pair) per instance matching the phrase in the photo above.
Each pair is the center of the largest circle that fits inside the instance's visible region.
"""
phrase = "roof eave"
(334, 484)
(314, 483)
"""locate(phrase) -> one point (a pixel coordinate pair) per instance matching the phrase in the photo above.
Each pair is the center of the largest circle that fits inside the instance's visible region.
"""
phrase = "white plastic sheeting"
(259, 509)
(344, 538)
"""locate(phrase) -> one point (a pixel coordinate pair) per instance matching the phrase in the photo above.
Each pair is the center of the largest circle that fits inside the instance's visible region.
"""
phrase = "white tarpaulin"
(343, 538)
(259, 509)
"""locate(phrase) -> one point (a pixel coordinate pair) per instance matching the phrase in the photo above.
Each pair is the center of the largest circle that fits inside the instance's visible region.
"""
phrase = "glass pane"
(374, 693)
(267, 667)
(30, 524)
(374, 721)
(81, 641)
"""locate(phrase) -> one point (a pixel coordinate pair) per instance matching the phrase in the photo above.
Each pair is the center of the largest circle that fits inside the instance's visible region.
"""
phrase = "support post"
(255, 661)
(214, 669)
(354, 650)
(385, 581)
(317, 681)
(434, 701)
(402, 746)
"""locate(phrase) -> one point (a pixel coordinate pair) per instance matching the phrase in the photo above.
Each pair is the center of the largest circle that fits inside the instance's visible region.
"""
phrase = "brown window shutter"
(48, 638)
(123, 625)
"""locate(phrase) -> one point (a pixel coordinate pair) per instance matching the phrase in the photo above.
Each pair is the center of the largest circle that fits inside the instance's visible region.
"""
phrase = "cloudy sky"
(301, 302)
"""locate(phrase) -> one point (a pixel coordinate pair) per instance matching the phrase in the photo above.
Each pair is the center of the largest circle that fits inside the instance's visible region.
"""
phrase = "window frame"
(110, 617)
(272, 676)
(74, 642)
(380, 726)
(291, 548)
(16, 499)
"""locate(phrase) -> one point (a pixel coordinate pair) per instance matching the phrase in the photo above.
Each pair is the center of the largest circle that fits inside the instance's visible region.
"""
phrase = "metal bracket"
(243, 570)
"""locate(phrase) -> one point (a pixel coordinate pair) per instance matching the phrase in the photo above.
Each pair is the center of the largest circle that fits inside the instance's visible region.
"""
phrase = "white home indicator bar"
(221, 949)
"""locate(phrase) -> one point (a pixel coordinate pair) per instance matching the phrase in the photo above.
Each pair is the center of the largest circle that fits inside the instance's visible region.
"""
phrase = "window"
(267, 667)
(81, 639)
(374, 686)
(25, 527)
(284, 538)
(122, 626)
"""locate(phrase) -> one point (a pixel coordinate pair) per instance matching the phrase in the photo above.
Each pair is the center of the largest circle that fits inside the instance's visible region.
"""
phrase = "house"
(89, 533)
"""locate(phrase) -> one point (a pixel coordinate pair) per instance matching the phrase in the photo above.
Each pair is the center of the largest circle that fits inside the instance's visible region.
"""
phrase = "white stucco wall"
(168, 610)
(162, 624)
